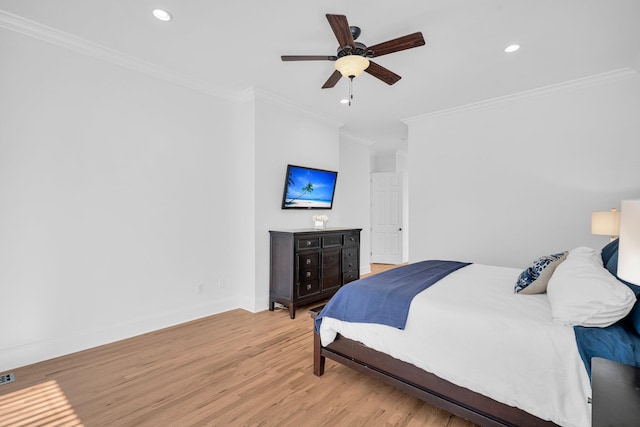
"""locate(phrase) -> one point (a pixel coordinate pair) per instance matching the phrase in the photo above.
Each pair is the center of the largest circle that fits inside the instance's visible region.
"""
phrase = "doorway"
(386, 218)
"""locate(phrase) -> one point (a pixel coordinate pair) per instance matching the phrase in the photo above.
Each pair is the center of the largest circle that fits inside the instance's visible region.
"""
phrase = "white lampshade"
(351, 65)
(629, 248)
(606, 223)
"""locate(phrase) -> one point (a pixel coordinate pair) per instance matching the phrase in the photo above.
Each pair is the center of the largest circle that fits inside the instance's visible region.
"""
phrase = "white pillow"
(582, 292)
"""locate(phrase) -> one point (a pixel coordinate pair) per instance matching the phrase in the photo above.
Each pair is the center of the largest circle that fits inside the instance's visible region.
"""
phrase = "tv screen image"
(308, 188)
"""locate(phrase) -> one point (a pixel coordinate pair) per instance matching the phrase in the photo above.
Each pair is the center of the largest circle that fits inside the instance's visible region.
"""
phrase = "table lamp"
(606, 223)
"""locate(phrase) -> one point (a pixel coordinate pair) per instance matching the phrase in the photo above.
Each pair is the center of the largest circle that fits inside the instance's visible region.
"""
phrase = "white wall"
(241, 209)
(113, 189)
(507, 181)
(286, 135)
(385, 161)
(122, 194)
(354, 194)
(402, 161)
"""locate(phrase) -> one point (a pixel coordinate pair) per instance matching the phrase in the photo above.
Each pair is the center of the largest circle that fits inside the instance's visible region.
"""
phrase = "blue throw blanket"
(618, 342)
(385, 298)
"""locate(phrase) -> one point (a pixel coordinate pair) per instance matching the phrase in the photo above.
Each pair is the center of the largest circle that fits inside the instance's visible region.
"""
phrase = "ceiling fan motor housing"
(360, 50)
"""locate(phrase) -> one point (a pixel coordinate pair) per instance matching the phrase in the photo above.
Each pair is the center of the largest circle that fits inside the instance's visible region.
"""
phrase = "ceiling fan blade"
(308, 58)
(395, 45)
(378, 71)
(331, 82)
(341, 29)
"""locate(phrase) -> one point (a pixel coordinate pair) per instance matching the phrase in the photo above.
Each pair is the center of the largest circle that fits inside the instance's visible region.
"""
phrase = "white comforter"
(472, 330)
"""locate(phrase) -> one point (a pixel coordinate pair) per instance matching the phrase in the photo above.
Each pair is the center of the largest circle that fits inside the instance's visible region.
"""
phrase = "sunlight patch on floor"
(41, 405)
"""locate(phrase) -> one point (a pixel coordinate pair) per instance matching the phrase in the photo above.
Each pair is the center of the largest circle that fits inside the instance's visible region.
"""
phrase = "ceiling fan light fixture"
(351, 65)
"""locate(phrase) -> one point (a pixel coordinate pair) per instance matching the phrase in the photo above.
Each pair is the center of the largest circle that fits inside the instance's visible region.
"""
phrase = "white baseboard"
(260, 303)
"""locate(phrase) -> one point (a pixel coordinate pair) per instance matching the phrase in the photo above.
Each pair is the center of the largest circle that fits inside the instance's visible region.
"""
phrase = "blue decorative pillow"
(608, 251)
(534, 279)
(612, 264)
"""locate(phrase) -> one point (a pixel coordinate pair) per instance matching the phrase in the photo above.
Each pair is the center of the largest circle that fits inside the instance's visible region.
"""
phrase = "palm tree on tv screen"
(306, 189)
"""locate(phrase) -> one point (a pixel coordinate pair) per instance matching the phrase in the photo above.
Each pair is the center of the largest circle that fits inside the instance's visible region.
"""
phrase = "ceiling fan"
(352, 57)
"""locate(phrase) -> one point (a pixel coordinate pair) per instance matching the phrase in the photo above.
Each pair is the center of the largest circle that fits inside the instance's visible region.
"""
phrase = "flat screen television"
(308, 188)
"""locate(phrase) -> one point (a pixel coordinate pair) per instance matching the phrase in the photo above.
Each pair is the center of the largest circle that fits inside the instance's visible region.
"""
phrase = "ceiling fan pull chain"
(350, 90)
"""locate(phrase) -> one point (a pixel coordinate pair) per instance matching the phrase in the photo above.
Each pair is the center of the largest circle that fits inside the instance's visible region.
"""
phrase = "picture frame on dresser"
(310, 265)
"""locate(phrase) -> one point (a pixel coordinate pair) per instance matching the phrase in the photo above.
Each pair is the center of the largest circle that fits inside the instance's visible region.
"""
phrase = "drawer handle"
(308, 274)
(308, 261)
(308, 287)
(308, 242)
(350, 265)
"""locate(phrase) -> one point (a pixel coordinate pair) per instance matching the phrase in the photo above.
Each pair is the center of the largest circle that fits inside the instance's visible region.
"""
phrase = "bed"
(475, 345)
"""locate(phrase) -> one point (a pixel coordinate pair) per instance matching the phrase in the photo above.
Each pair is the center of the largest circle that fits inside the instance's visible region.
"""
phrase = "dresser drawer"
(308, 288)
(310, 274)
(351, 239)
(308, 243)
(349, 258)
(308, 261)
(331, 269)
(350, 276)
(332, 240)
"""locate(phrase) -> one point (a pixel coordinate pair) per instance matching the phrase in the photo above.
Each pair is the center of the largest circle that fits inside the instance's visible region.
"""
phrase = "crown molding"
(594, 80)
(263, 95)
(59, 38)
(357, 139)
(85, 47)
(244, 96)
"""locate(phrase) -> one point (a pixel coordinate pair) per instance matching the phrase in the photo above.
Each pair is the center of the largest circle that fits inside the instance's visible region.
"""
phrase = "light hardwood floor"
(231, 369)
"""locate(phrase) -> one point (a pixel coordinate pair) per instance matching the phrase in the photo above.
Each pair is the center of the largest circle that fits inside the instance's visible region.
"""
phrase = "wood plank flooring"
(231, 369)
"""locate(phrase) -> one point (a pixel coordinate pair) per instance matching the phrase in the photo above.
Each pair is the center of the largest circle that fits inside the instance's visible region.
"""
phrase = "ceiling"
(230, 46)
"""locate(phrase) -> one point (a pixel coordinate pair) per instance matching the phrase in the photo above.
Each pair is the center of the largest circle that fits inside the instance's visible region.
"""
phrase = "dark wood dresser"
(310, 265)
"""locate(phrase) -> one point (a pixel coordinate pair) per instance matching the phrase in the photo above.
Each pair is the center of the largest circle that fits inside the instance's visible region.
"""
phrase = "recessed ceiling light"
(344, 101)
(512, 48)
(162, 15)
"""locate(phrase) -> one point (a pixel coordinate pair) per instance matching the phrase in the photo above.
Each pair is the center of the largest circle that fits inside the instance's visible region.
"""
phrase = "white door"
(386, 218)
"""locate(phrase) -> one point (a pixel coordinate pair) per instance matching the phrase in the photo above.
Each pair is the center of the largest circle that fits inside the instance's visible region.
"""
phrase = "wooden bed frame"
(421, 384)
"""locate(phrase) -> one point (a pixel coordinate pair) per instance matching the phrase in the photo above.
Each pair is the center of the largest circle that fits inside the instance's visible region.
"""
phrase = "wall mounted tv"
(308, 188)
